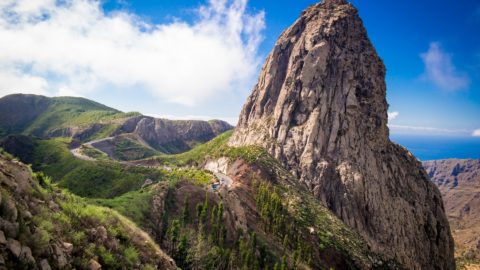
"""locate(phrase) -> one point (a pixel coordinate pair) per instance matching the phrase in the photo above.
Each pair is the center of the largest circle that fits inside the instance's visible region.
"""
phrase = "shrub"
(131, 256)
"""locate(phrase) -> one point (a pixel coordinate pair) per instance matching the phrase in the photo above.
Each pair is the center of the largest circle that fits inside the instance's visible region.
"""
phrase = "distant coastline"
(426, 147)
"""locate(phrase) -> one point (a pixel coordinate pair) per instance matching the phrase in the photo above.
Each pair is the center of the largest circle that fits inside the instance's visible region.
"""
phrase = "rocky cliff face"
(459, 183)
(319, 107)
(171, 136)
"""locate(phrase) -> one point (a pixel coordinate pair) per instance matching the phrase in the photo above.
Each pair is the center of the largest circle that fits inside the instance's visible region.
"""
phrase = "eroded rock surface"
(319, 107)
(459, 183)
(172, 136)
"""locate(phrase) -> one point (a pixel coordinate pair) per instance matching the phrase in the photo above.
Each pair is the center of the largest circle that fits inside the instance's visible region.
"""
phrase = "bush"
(131, 256)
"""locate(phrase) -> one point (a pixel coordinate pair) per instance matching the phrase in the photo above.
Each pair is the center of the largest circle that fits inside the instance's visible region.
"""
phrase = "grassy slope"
(304, 211)
(117, 186)
(59, 216)
(66, 112)
(100, 179)
(39, 115)
(216, 148)
(129, 149)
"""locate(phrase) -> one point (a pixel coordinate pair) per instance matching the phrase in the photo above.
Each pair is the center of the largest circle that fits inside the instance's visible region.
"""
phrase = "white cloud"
(14, 81)
(75, 45)
(476, 133)
(392, 115)
(440, 70)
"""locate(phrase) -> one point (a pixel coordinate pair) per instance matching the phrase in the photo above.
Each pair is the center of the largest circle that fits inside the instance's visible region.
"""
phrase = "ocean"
(439, 147)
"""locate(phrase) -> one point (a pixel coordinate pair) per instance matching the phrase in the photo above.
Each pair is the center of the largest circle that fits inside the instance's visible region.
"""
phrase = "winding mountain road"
(78, 154)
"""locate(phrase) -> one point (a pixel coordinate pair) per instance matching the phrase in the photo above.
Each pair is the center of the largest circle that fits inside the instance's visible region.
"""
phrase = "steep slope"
(20, 146)
(459, 183)
(54, 117)
(17, 112)
(319, 107)
(42, 227)
(260, 217)
(169, 136)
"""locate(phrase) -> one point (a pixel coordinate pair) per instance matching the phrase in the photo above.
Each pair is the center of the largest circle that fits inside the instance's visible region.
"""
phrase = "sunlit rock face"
(320, 108)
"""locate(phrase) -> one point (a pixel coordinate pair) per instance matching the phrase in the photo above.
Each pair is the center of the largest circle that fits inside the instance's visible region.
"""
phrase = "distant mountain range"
(459, 183)
(130, 135)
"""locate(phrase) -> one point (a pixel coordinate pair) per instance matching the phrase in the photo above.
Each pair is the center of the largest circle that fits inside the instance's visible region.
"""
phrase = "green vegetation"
(216, 148)
(294, 227)
(199, 241)
(93, 153)
(100, 179)
(48, 219)
(127, 149)
(19, 146)
(78, 223)
(135, 204)
(104, 132)
(64, 112)
(278, 221)
(41, 116)
(5, 154)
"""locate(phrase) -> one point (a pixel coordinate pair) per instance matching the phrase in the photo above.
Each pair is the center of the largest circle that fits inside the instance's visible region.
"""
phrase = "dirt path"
(97, 141)
(76, 153)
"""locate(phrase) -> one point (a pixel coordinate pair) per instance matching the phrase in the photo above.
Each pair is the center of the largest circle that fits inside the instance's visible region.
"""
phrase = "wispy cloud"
(427, 130)
(392, 115)
(476, 133)
(440, 70)
(73, 46)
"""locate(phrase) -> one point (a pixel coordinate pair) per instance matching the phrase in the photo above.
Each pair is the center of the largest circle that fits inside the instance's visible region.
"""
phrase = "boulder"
(44, 265)
(26, 256)
(68, 247)
(9, 228)
(14, 247)
(94, 265)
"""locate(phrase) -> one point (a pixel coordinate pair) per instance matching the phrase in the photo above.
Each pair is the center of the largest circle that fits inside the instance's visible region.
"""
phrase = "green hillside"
(293, 231)
(44, 227)
(201, 229)
(43, 116)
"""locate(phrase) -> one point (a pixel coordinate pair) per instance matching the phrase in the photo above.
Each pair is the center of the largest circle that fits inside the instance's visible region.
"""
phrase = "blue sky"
(431, 50)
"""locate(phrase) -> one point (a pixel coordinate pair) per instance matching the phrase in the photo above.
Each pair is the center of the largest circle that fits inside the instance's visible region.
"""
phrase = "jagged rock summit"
(319, 107)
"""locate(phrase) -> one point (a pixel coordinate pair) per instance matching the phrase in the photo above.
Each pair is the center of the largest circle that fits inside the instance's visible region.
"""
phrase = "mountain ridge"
(85, 120)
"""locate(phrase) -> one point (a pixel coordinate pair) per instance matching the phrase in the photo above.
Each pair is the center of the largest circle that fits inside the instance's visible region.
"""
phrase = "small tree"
(185, 211)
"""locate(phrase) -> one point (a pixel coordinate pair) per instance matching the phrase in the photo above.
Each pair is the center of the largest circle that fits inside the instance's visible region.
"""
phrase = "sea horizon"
(435, 147)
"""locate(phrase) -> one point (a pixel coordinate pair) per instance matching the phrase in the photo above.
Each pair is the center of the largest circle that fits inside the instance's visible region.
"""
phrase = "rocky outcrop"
(319, 107)
(459, 183)
(172, 136)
